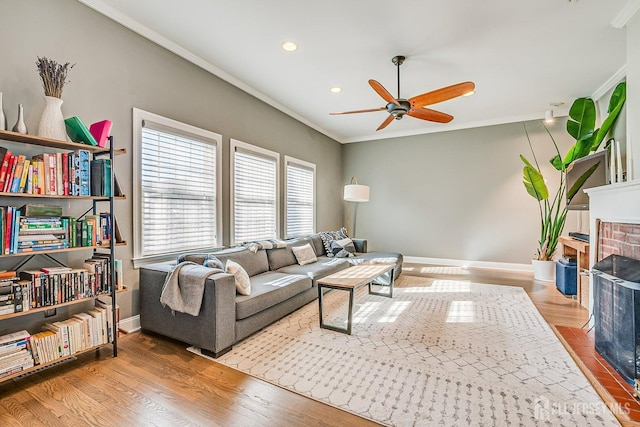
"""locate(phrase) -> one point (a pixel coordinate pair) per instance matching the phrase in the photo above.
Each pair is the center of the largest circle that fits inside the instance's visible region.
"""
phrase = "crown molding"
(626, 14)
(611, 82)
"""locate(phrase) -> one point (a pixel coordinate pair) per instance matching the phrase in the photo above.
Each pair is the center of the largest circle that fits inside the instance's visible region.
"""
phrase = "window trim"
(303, 164)
(234, 145)
(139, 116)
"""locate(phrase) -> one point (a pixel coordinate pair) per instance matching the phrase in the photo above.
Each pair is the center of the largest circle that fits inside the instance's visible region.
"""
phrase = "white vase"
(52, 121)
(20, 126)
(544, 270)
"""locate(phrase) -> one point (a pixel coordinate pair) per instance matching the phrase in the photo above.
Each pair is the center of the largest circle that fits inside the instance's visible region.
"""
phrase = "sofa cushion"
(343, 248)
(304, 254)
(281, 257)
(329, 236)
(318, 246)
(253, 263)
(243, 283)
(269, 289)
(377, 257)
(317, 270)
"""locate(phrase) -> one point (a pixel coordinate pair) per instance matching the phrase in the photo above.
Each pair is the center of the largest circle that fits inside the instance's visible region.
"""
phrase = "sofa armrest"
(360, 244)
(214, 327)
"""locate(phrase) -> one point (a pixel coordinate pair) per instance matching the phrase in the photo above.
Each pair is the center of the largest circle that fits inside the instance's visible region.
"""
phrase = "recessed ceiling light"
(289, 46)
(336, 89)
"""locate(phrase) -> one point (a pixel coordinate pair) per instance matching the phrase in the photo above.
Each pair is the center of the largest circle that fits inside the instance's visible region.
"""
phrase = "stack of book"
(62, 174)
(15, 353)
(56, 285)
(10, 293)
(65, 338)
(34, 228)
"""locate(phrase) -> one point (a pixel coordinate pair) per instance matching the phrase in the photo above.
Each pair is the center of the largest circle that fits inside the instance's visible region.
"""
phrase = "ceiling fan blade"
(442, 94)
(386, 122)
(380, 90)
(431, 115)
(359, 111)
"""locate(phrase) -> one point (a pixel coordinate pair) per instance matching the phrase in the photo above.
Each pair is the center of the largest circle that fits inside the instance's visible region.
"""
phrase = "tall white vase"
(52, 121)
(544, 270)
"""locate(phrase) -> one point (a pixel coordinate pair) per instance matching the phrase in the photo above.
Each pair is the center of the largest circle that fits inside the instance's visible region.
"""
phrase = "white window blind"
(255, 193)
(300, 197)
(178, 193)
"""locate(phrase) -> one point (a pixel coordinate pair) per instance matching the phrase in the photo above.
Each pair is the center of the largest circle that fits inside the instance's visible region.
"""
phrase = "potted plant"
(552, 207)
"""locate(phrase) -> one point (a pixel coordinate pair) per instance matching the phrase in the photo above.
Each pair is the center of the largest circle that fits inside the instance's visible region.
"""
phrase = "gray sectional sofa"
(279, 286)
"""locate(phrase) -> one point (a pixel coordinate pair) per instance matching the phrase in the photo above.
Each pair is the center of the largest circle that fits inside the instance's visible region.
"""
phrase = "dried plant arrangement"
(53, 75)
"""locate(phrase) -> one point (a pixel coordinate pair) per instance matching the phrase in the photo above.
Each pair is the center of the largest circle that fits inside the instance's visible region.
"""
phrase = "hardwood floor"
(155, 381)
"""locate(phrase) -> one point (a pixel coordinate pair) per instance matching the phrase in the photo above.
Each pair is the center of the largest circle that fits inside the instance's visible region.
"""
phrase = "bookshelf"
(105, 249)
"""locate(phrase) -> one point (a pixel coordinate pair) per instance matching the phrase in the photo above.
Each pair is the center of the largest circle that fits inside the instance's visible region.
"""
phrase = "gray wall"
(454, 195)
(117, 70)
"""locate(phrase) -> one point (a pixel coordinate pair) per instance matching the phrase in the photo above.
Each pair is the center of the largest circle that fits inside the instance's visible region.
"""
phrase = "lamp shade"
(356, 193)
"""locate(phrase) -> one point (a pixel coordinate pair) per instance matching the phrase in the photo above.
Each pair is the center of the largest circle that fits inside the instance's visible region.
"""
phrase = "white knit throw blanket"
(184, 287)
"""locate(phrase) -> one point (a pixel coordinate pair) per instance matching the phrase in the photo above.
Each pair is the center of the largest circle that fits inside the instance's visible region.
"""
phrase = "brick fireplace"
(616, 238)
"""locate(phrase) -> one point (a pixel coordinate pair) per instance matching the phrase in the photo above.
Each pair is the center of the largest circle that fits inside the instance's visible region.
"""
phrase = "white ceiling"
(522, 55)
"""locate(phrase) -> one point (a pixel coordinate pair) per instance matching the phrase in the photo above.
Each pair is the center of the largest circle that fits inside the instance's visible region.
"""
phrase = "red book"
(3, 168)
(65, 173)
(10, 170)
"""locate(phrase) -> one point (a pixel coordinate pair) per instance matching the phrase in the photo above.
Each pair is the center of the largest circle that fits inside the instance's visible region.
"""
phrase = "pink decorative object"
(100, 131)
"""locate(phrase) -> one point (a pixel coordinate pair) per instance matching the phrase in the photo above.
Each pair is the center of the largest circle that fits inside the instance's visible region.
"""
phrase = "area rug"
(438, 352)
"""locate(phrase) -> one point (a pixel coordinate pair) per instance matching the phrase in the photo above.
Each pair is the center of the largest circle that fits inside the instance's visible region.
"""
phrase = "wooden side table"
(580, 250)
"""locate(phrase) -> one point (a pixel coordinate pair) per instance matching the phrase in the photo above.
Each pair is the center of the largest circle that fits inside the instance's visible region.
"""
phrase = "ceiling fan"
(414, 107)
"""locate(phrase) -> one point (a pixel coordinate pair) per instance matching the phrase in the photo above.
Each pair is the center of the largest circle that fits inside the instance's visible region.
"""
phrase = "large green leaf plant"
(581, 126)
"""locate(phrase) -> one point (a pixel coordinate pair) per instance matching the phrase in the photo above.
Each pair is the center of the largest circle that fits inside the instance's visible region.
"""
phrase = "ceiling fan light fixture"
(289, 46)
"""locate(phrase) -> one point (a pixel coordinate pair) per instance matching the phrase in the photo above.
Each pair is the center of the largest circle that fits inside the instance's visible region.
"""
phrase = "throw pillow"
(213, 262)
(243, 283)
(329, 236)
(343, 248)
(304, 254)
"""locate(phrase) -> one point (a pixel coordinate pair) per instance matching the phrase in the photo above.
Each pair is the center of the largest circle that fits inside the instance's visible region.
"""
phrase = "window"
(254, 193)
(177, 187)
(300, 192)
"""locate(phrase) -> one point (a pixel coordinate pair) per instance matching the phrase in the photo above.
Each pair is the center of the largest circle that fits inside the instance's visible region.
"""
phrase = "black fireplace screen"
(616, 309)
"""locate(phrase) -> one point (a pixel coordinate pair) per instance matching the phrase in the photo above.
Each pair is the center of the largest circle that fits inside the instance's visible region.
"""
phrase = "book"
(100, 131)
(84, 173)
(6, 158)
(78, 132)
(17, 174)
(36, 210)
(97, 176)
(25, 174)
(10, 170)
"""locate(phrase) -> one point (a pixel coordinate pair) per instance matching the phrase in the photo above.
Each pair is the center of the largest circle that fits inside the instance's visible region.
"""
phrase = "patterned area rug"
(438, 352)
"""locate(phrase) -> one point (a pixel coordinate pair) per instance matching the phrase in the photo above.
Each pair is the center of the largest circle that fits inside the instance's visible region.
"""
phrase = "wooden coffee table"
(349, 280)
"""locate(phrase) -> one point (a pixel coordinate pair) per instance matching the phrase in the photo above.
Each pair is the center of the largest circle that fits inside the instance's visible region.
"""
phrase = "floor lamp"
(354, 192)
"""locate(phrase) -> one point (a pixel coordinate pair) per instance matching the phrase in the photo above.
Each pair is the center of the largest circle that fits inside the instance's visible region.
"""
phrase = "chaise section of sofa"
(279, 286)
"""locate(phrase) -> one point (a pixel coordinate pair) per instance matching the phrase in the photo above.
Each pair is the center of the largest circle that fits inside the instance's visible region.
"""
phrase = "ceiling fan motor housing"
(398, 111)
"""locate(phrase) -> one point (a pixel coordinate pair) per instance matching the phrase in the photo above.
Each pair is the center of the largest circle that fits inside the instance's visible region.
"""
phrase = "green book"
(33, 210)
(78, 131)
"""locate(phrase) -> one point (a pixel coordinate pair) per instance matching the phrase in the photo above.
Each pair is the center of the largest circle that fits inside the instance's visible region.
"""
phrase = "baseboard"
(130, 324)
(474, 264)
